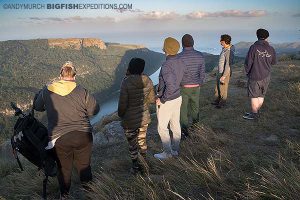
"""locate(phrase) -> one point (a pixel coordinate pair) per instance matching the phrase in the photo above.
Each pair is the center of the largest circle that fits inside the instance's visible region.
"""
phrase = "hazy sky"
(148, 22)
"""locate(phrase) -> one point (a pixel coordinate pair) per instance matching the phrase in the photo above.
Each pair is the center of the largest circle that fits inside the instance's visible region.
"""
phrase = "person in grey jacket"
(69, 106)
(169, 99)
(260, 58)
(190, 85)
(224, 71)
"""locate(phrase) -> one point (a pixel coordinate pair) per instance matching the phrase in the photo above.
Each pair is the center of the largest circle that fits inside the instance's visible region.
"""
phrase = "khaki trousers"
(169, 113)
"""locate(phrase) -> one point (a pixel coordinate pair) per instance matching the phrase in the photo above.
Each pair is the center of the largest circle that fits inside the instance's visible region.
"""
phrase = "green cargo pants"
(189, 106)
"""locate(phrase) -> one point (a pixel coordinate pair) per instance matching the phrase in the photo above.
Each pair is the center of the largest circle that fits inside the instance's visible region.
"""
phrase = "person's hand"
(222, 79)
(158, 101)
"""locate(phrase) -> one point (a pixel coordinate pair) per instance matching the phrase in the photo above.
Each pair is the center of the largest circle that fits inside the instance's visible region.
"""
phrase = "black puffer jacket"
(137, 92)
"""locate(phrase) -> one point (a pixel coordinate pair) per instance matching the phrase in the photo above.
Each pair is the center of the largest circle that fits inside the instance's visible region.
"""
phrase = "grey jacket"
(226, 60)
(195, 64)
(170, 77)
(68, 107)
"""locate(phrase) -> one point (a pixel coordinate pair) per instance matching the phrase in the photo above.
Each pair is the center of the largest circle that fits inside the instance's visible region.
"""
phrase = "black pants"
(74, 147)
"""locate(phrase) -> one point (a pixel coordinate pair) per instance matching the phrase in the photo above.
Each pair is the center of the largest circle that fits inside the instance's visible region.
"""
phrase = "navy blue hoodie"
(261, 56)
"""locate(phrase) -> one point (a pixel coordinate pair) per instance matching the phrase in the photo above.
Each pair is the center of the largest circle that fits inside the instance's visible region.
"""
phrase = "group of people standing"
(69, 105)
(176, 97)
(178, 91)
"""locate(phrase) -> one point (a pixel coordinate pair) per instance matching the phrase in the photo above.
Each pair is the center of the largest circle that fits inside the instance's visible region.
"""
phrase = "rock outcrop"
(110, 134)
(90, 42)
(76, 43)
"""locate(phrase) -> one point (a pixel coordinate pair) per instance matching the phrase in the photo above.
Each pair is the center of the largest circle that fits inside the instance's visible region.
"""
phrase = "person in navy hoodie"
(261, 56)
(192, 79)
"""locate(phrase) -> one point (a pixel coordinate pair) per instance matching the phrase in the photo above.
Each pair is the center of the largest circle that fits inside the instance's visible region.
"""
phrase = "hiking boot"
(64, 197)
(163, 155)
(251, 116)
(221, 104)
(183, 136)
(184, 133)
(134, 170)
(174, 153)
(215, 102)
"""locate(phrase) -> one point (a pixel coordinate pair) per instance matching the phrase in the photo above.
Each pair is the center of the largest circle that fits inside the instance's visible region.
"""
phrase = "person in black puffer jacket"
(137, 92)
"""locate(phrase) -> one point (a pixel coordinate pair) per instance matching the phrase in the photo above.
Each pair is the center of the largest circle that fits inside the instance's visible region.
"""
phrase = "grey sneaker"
(250, 116)
(163, 155)
(249, 113)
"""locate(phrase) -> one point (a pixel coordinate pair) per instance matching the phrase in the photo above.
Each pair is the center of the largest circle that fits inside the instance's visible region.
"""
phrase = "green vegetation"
(226, 157)
(289, 57)
(26, 66)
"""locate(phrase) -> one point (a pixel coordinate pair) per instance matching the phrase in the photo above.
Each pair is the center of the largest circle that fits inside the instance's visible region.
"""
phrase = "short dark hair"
(187, 41)
(136, 66)
(262, 34)
(226, 38)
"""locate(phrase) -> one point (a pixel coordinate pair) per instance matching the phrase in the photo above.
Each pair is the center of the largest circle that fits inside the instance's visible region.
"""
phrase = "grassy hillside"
(226, 157)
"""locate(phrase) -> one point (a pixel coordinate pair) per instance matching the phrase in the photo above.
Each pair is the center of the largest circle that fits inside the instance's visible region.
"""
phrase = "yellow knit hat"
(171, 46)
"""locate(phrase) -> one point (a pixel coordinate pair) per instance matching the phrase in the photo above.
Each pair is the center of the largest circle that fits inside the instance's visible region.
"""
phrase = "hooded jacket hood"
(62, 87)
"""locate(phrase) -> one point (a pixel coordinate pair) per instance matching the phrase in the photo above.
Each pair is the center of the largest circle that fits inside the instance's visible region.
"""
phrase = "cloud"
(57, 19)
(296, 15)
(159, 15)
(71, 19)
(148, 16)
(129, 10)
(35, 18)
(162, 15)
(227, 13)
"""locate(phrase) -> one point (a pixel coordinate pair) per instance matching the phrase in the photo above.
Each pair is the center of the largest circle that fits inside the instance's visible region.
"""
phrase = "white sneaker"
(163, 155)
(174, 153)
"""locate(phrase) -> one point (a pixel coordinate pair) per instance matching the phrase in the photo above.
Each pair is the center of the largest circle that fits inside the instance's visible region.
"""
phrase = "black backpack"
(30, 139)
